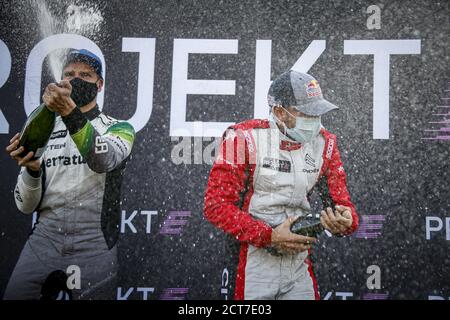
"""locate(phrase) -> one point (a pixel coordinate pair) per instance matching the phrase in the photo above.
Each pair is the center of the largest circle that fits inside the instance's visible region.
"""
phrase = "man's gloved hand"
(338, 222)
(286, 242)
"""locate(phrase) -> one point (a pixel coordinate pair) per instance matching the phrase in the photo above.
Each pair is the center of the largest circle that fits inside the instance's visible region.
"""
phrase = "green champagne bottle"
(307, 226)
(36, 131)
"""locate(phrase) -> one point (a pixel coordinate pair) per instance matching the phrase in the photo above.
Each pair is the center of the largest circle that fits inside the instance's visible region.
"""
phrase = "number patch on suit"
(100, 145)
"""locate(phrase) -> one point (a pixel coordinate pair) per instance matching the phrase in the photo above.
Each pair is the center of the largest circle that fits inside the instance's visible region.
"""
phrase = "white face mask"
(305, 130)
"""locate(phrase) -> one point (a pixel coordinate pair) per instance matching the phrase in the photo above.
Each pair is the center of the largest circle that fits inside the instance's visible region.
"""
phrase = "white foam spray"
(78, 19)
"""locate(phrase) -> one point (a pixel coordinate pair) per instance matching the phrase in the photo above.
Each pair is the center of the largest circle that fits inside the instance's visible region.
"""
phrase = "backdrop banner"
(181, 72)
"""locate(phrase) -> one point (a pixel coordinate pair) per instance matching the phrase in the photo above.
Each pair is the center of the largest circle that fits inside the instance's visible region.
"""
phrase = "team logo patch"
(313, 89)
(330, 148)
(277, 164)
(58, 134)
(310, 161)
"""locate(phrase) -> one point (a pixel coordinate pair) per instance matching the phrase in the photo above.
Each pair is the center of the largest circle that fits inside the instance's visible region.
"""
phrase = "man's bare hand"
(286, 242)
(14, 153)
(57, 97)
(337, 222)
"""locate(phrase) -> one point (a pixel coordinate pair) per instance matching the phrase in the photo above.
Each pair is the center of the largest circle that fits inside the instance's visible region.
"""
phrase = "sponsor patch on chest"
(58, 134)
(277, 164)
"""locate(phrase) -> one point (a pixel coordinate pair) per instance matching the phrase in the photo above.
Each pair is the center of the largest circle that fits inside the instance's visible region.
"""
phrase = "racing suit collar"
(93, 113)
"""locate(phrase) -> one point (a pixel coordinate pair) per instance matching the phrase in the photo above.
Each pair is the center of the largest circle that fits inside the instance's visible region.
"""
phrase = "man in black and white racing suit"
(75, 189)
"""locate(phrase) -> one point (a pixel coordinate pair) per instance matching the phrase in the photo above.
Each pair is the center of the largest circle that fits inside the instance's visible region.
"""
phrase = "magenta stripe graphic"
(438, 138)
(175, 222)
(375, 296)
(370, 226)
(174, 294)
(444, 121)
(440, 134)
(439, 130)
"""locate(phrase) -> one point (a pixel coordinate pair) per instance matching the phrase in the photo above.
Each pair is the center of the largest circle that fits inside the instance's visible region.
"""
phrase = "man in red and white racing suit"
(260, 184)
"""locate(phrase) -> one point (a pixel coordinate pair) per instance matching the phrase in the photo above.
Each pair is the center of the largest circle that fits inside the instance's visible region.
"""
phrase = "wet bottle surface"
(307, 226)
(304, 226)
(37, 130)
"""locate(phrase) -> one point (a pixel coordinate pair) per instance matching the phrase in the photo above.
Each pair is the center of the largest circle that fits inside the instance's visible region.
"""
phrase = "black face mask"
(83, 92)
